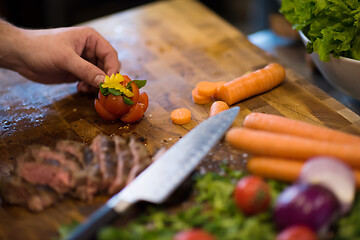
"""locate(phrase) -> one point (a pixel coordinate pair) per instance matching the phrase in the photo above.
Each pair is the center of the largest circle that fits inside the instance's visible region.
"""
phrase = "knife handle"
(97, 220)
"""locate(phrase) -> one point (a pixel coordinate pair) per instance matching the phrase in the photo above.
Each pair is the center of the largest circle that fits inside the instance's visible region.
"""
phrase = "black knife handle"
(97, 220)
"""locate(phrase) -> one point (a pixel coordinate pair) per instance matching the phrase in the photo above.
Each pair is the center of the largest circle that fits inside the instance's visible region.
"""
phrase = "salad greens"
(332, 26)
(213, 209)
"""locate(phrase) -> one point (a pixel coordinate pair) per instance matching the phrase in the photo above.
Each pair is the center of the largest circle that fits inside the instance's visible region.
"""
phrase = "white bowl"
(342, 73)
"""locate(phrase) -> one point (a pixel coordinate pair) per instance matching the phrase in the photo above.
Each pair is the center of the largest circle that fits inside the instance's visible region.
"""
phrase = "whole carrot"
(283, 145)
(217, 107)
(252, 84)
(279, 124)
(282, 169)
(275, 168)
(218, 85)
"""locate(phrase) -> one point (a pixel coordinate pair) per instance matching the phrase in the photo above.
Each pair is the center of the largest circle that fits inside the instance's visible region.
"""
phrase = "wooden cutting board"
(174, 45)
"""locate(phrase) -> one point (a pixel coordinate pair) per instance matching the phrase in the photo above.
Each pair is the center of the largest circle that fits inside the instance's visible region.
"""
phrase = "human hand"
(64, 55)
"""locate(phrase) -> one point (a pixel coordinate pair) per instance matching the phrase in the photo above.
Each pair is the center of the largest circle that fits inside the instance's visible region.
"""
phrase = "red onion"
(332, 174)
(305, 204)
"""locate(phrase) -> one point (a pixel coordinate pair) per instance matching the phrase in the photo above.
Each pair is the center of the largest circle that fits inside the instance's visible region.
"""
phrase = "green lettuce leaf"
(332, 26)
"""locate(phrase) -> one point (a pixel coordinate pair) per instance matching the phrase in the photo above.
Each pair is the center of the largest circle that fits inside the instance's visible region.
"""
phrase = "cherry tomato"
(112, 107)
(297, 232)
(144, 99)
(136, 92)
(116, 105)
(105, 114)
(102, 98)
(252, 195)
(194, 234)
(135, 114)
(126, 80)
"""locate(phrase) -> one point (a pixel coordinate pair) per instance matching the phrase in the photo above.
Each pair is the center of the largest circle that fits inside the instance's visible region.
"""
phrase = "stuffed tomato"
(120, 98)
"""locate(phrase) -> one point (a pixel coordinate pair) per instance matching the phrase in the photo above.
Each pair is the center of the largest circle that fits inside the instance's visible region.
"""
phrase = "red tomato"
(112, 107)
(297, 232)
(194, 234)
(126, 80)
(116, 105)
(105, 114)
(136, 92)
(102, 98)
(136, 112)
(252, 195)
(144, 99)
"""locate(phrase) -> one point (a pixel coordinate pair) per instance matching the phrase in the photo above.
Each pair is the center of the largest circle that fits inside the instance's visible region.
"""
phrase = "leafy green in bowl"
(332, 26)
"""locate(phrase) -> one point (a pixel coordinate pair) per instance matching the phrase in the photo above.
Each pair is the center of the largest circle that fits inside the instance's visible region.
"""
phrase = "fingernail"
(98, 79)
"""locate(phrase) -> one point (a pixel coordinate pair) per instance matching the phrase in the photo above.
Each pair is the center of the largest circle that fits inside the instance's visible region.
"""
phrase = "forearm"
(10, 45)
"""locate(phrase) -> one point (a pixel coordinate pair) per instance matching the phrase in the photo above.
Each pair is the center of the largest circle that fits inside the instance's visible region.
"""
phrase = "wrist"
(10, 45)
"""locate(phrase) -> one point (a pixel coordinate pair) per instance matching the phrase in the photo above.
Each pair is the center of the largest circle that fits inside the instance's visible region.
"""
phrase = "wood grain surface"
(174, 45)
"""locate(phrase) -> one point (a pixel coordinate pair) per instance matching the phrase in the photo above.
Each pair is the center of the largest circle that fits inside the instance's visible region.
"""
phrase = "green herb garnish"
(113, 85)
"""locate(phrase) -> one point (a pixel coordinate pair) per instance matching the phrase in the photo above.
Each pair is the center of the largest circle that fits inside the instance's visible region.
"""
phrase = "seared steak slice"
(124, 163)
(44, 171)
(16, 191)
(72, 149)
(88, 177)
(141, 159)
(104, 150)
(44, 154)
(92, 184)
(132, 158)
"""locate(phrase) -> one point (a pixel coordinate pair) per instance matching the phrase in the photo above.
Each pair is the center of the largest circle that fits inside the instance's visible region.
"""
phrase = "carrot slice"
(265, 143)
(252, 84)
(206, 88)
(279, 124)
(217, 107)
(180, 116)
(200, 99)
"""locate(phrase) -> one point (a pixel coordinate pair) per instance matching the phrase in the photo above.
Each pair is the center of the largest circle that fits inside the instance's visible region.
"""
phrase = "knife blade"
(158, 181)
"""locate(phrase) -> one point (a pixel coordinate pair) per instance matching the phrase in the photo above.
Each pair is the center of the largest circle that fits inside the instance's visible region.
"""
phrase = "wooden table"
(174, 45)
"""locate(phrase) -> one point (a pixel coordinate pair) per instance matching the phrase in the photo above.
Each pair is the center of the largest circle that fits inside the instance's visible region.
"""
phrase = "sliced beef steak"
(104, 149)
(44, 175)
(35, 168)
(16, 191)
(132, 158)
(141, 159)
(124, 160)
(88, 177)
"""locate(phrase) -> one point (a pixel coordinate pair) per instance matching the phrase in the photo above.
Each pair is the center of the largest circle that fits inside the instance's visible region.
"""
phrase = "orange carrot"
(200, 99)
(275, 168)
(357, 178)
(218, 85)
(282, 169)
(217, 107)
(206, 88)
(283, 145)
(252, 84)
(279, 124)
(180, 116)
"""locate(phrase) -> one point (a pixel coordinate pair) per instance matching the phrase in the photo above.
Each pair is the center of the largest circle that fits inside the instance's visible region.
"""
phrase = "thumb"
(85, 71)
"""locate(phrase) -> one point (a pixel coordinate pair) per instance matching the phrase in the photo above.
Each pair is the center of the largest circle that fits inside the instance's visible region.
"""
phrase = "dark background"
(248, 15)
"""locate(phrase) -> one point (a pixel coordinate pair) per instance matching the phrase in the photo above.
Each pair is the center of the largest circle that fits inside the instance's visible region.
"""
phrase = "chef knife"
(158, 181)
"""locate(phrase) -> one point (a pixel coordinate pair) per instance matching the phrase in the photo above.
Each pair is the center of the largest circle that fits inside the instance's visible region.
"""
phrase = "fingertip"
(98, 79)
(113, 69)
